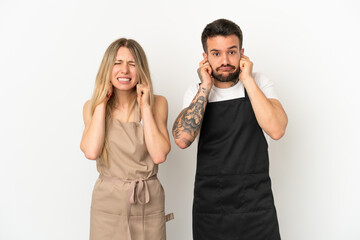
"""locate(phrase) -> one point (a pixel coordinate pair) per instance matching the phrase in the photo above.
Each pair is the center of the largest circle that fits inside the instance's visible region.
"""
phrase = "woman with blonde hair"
(126, 133)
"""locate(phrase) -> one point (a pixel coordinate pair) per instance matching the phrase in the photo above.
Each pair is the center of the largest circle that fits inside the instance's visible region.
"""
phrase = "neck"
(122, 98)
(219, 84)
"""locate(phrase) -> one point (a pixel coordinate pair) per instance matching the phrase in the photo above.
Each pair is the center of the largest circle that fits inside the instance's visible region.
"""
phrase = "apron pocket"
(258, 194)
(207, 194)
(233, 194)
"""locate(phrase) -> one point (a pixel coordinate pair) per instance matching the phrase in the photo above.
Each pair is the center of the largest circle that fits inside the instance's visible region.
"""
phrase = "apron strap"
(169, 217)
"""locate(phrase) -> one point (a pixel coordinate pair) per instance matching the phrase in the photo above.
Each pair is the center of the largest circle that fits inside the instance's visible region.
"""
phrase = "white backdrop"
(50, 52)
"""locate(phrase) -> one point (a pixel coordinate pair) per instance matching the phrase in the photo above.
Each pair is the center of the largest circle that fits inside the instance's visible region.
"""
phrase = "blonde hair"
(103, 80)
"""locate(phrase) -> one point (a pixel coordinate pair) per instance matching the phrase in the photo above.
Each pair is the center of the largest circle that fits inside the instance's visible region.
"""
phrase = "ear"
(242, 51)
(204, 55)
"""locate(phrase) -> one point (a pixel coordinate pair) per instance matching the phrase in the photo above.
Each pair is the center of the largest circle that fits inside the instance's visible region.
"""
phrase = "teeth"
(124, 79)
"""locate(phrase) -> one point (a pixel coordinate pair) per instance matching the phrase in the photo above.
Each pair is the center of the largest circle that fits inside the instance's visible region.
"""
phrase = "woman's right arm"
(93, 137)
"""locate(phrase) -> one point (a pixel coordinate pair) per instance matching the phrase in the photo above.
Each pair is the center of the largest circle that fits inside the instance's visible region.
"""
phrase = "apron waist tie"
(138, 194)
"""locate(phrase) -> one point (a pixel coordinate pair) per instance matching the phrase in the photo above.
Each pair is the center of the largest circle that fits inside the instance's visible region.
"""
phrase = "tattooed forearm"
(176, 127)
(190, 119)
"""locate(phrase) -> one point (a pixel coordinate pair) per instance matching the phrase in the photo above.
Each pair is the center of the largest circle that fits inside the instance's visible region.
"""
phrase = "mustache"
(227, 65)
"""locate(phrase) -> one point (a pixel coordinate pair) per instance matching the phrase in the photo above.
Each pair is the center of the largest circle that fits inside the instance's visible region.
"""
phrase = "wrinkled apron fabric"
(128, 200)
(232, 197)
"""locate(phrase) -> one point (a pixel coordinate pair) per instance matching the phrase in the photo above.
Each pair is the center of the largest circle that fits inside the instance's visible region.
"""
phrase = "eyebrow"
(119, 60)
(216, 50)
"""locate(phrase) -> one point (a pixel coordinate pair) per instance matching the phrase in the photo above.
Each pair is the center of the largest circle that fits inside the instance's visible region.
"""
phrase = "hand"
(246, 68)
(204, 72)
(143, 95)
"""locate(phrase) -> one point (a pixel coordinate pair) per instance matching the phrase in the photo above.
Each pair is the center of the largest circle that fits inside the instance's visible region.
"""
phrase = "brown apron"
(128, 199)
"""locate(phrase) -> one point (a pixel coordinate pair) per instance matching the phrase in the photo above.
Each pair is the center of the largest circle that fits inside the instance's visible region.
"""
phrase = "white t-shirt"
(237, 91)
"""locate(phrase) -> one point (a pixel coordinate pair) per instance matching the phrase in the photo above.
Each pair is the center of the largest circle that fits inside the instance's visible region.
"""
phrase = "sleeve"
(266, 85)
(190, 94)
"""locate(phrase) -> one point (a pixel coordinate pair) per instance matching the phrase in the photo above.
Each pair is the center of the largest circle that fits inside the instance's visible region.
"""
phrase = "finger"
(203, 62)
(142, 82)
(242, 64)
(109, 92)
(144, 85)
(245, 57)
(143, 89)
(138, 90)
(208, 69)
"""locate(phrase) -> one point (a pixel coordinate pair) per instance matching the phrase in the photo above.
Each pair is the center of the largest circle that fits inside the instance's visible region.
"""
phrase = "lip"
(226, 69)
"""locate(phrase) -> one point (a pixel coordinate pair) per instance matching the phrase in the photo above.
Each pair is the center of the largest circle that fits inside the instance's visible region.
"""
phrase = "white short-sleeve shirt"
(237, 91)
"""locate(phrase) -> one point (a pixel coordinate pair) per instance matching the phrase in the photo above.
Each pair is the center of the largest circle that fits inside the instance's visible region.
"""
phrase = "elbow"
(276, 125)
(91, 156)
(276, 135)
(159, 160)
(161, 157)
(89, 152)
(182, 144)
(277, 131)
(180, 139)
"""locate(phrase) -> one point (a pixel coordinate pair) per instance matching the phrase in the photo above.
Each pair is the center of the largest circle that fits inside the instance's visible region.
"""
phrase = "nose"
(225, 59)
(124, 68)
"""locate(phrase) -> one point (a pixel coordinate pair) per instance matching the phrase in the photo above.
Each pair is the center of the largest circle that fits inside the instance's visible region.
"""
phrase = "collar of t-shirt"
(223, 94)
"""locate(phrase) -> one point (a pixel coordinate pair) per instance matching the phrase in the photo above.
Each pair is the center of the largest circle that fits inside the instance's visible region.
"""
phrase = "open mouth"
(122, 79)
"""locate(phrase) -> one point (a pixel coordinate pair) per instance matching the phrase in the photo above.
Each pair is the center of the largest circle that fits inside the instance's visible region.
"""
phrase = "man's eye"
(232, 52)
(216, 54)
(133, 65)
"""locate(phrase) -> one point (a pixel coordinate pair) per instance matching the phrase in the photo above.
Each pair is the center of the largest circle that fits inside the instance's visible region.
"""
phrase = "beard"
(232, 77)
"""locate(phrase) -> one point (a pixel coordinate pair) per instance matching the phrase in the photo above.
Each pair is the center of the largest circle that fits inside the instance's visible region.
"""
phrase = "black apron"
(232, 197)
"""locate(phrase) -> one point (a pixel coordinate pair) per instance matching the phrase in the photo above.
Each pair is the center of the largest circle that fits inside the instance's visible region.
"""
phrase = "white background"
(50, 52)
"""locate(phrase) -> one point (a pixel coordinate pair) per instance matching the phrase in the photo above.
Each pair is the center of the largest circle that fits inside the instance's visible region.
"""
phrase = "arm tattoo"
(190, 119)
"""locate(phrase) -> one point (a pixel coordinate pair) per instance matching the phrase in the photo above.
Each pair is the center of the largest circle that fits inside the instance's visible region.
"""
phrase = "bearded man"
(228, 112)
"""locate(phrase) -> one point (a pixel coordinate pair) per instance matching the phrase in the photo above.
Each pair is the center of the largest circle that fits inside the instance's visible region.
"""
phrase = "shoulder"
(87, 111)
(265, 84)
(160, 107)
(160, 103)
(193, 88)
(261, 79)
(190, 93)
(86, 108)
(87, 104)
(159, 100)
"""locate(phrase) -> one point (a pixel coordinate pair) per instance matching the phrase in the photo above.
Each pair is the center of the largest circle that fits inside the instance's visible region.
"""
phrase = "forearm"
(269, 113)
(94, 136)
(187, 125)
(157, 144)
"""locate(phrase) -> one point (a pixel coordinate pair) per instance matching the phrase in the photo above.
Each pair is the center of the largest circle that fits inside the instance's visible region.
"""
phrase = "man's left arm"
(268, 111)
